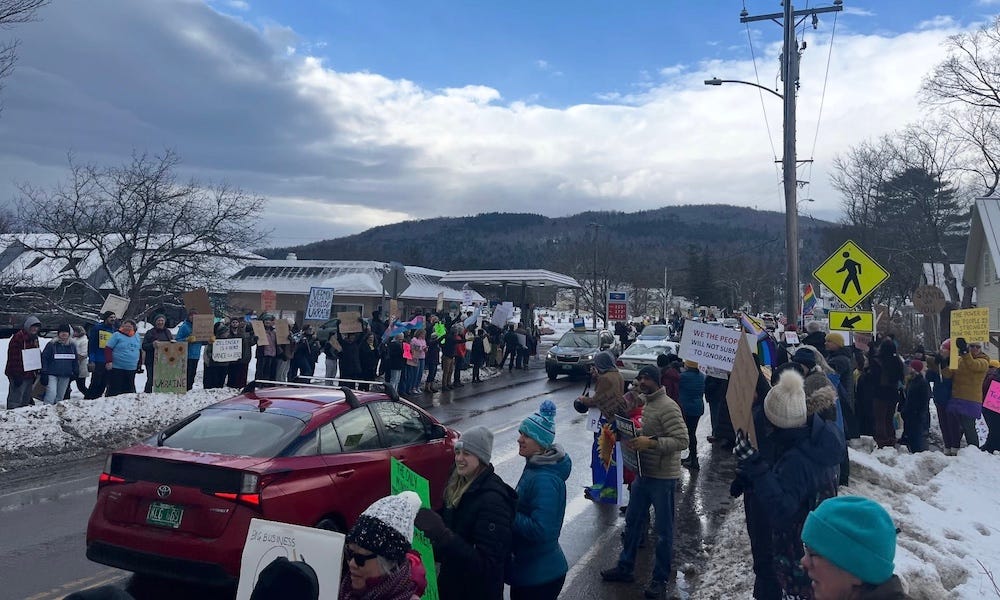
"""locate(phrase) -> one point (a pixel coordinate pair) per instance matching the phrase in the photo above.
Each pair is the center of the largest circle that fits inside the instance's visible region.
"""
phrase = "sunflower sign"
(606, 466)
(170, 368)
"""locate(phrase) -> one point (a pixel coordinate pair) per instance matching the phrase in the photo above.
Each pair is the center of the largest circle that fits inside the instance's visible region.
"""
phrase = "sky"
(345, 115)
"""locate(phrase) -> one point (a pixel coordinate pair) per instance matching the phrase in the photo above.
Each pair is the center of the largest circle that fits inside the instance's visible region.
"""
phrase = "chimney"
(291, 256)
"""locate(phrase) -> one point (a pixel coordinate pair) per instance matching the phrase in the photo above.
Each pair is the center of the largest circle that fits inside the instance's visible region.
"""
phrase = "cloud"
(938, 22)
(337, 152)
(238, 4)
(855, 11)
(542, 65)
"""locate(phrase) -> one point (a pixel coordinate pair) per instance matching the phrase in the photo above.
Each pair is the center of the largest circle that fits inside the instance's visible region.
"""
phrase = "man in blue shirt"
(97, 340)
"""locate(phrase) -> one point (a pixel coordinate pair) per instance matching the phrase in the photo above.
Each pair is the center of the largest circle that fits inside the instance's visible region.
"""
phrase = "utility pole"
(593, 305)
(790, 78)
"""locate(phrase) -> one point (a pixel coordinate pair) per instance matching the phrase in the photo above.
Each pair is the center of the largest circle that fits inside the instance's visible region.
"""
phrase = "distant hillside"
(518, 241)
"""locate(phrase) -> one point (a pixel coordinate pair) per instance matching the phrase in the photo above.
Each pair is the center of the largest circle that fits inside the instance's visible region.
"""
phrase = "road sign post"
(851, 274)
(394, 281)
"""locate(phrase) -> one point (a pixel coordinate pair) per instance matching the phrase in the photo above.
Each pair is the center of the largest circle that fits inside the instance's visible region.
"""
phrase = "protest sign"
(268, 301)
(626, 432)
(973, 324)
(792, 338)
(169, 368)
(593, 419)
(440, 302)
(281, 331)
(742, 384)
(202, 327)
(227, 350)
(115, 304)
(402, 478)
(31, 358)
(320, 304)
(350, 322)
(992, 400)
(269, 540)
(709, 345)
(197, 300)
(260, 332)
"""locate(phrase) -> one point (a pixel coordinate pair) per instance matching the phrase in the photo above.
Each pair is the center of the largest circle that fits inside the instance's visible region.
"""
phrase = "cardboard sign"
(281, 331)
(198, 300)
(739, 395)
(626, 432)
(32, 359)
(115, 304)
(202, 327)
(593, 419)
(350, 322)
(792, 338)
(973, 324)
(402, 478)
(320, 304)
(260, 332)
(169, 368)
(268, 540)
(227, 350)
(268, 301)
(440, 302)
(992, 399)
(709, 345)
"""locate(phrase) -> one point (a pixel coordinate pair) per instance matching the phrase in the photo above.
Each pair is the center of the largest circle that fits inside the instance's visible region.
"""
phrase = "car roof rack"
(349, 395)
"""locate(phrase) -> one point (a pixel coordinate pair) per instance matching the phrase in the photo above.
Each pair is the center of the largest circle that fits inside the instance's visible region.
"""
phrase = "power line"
(763, 108)
(822, 100)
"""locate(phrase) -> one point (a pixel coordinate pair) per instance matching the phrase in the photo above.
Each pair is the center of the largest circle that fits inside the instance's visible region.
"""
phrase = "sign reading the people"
(709, 345)
(851, 274)
(972, 324)
(844, 320)
(403, 478)
(320, 304)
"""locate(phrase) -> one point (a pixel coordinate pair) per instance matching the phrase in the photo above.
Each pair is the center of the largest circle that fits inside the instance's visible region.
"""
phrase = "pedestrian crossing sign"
(851, 274)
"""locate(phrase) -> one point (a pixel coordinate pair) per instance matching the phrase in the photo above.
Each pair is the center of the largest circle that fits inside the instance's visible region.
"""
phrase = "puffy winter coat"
(692, 393)
(472, 560)
(22, 340)
(183, 333)
(967, 379)
(662, 419)
(670, 379)
(609, 394)
(59, 360)
(841, 360)
(149, 342)
(541, 506)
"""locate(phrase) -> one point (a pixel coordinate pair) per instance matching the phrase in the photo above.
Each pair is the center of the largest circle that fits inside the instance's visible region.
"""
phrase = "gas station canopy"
(535, 278)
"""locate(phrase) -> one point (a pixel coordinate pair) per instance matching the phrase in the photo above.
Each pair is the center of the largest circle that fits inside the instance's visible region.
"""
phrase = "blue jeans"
(658, 493)
(415, 384)
(394, 376)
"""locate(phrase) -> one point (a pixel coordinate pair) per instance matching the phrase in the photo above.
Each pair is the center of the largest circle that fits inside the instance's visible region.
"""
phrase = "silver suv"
(574, 352)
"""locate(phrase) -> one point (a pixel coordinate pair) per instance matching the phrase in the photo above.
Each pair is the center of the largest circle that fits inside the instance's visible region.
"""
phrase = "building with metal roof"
(982, 255)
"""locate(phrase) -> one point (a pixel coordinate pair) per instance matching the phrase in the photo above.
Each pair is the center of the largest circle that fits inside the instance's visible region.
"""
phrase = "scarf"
(395, 585)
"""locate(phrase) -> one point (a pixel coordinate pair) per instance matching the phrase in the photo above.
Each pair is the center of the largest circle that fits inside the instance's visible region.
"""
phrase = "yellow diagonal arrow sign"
(850, 320)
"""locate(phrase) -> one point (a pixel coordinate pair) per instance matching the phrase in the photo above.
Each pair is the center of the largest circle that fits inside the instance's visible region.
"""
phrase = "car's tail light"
(619, 364)
(249, 493)
(107, 478)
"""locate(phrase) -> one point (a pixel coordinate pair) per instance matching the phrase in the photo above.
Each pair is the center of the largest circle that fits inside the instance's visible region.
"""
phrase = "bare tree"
(134, 230)
(14, 12)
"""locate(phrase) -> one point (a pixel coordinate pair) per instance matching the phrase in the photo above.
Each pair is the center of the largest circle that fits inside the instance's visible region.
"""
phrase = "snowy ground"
(945, 507)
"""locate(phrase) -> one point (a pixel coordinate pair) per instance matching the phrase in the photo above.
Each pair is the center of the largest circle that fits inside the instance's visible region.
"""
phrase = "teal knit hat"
(541, 425)
(855, 534)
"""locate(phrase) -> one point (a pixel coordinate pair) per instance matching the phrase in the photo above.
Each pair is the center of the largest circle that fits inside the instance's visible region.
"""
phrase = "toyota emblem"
(163, 491)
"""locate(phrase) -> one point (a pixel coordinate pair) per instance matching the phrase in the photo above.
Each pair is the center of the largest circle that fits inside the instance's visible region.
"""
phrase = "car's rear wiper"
(169, 431)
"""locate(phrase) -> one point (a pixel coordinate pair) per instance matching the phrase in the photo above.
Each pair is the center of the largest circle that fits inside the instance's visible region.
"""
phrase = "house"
(982, 256)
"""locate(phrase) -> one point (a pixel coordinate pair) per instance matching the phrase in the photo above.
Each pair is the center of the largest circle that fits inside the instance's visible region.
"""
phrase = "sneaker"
(655, 589)
(617, 574)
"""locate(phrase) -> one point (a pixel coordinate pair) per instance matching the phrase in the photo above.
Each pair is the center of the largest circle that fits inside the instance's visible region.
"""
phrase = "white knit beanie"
(386, 527)
(785, 404)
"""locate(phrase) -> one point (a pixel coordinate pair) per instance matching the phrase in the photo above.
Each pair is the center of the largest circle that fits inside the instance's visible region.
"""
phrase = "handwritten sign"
(973, 324)
(227, 350)
(281, 331)
(320, 304)
(593, 419)
(992, 400)
(198, 300)
(350, 322)
(739, 395)
(792, 338)
(115, 304)
(402, 478)
(260, 332)
(709, 345)
(32, 359)
(202, 327)
(169, 368)
(269, 540)
(626, 432)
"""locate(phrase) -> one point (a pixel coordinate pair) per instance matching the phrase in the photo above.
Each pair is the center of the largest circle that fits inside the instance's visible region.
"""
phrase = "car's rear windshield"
(641, 349)
(236, 432)
(577, 339)
(655, 330)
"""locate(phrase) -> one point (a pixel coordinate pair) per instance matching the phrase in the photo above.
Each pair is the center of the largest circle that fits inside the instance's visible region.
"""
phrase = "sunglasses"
(358, 558)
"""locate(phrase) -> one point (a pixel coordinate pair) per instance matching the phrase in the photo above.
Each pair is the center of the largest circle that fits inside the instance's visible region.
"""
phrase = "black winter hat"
(64, 327)
(284, 578)
(805, 357)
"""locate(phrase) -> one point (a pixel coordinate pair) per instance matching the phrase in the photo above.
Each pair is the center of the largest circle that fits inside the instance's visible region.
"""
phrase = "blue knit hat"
(855, 534)
(541, 425)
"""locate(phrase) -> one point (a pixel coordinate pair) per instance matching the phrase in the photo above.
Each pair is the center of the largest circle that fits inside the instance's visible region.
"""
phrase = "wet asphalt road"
(43, 513)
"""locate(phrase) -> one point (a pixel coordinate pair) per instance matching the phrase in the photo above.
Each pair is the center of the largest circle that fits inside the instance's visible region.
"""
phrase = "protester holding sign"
(966, 403)
(236, 371)
(159, 333)
(185, 334)
(213, 376)
(122, 357)
(472, 536)
(991, 407)
(59, 365)
(539, 567)
(21, 372)
(692, 401)
(99, 335)
(381, 564)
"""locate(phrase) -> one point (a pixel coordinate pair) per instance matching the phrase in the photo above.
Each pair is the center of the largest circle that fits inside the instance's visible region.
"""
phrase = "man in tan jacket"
(662, 439)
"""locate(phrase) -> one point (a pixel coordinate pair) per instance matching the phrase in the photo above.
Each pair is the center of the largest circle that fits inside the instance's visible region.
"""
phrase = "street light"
(717, 81)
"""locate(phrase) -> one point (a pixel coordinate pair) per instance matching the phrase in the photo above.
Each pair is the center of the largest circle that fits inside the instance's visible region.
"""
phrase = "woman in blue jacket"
(539, 566)
(59, 365)
(691, 390)
(122, 356)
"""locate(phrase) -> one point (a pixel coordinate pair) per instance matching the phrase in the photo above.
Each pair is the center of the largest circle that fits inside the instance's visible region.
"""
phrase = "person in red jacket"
(21, 381)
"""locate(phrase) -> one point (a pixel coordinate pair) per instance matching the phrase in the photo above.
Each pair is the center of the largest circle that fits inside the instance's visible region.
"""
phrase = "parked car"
(574, 352)
(731, 323)
(641, 354)
(179, 504)
(656, 332)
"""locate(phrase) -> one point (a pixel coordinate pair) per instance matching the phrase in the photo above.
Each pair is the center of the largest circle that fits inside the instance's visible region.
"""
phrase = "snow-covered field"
(945, 507)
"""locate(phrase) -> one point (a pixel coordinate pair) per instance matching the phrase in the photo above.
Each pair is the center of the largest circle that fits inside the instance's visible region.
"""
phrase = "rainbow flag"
(401, 327)
(767, 350)
(808, 300)
(753, 326)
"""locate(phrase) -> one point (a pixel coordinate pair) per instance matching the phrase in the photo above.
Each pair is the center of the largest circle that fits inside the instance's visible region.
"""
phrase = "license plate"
(567, 367)
(164, 515)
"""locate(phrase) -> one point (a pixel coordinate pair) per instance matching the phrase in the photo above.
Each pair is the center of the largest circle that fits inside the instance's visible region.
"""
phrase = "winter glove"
(743, 450)
(90, 367)
(963, 346)
(191, 339)
(431, 524)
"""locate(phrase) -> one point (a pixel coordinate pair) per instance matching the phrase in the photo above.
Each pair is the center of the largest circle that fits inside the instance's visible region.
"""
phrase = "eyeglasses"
(358, 558)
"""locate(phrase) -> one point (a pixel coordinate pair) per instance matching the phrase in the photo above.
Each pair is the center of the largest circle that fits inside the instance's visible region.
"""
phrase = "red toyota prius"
(179, 504)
